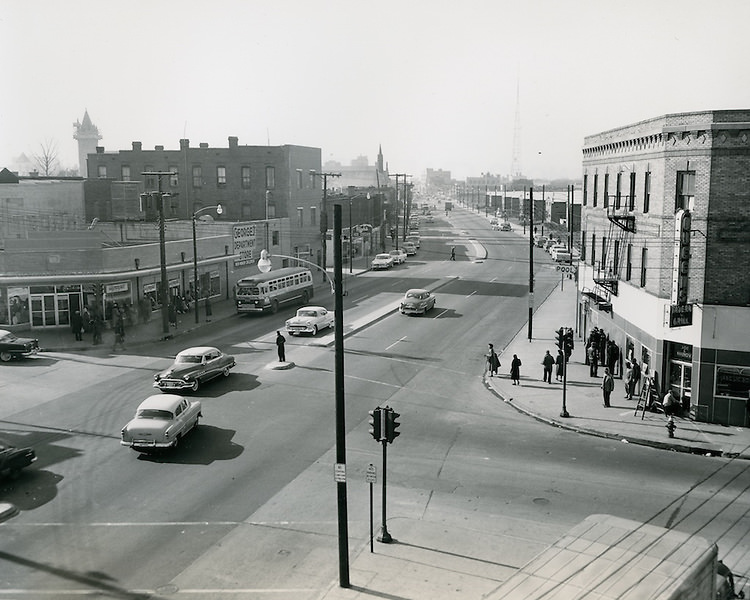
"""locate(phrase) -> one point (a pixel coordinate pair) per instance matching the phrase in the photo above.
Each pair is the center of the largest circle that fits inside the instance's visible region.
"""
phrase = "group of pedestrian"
(601, 351)
(493, 364)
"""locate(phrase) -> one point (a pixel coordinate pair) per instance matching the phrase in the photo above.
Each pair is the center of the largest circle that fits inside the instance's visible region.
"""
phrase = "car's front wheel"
(315, 330)
(195, 385)
(225, 372)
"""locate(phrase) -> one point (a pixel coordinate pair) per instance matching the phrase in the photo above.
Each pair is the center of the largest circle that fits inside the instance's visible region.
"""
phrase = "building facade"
(665, 245)
(252, 183)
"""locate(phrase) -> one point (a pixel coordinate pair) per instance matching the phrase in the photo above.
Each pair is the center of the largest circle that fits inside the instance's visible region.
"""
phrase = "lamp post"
(219, 210)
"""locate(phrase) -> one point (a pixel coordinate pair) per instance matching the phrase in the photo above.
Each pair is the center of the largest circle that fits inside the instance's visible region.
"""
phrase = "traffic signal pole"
(343, 527)
(384, 536)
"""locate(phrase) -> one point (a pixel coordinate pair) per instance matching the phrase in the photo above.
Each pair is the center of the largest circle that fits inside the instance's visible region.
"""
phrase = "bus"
(267, 291)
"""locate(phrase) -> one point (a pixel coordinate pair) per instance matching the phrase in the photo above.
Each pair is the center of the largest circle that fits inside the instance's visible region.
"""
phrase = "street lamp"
(219, 210)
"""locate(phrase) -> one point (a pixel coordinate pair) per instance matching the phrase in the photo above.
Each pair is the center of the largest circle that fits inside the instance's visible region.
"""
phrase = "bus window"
(296, 280)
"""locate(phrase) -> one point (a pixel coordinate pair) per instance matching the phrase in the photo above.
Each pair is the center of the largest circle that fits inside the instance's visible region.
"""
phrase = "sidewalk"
(584, 403)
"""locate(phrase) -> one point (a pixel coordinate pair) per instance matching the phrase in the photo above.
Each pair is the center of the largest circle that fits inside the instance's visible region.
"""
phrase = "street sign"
(567, 268)
(339, 473)
(371, 476)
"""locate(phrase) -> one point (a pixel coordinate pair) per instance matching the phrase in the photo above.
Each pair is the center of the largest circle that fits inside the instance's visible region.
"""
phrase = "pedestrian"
(280, 341)
(453, 253)
(559, 362)
(628, 380)
(96, 328)
(118, 321)
(547, 362)
(593, 356)
(515, 370)
(172, 314)
(209, 313)
(671, 403)
(493, 362)
(636, 379)
(86, 315)
(608, 384)
(76, 325)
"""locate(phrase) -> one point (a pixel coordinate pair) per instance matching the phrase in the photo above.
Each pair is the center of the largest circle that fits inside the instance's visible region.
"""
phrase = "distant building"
(88, 137)
(665, 248)
(359, 174)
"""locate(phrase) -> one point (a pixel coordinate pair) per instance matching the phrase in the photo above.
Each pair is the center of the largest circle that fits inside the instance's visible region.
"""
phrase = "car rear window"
(153, 413)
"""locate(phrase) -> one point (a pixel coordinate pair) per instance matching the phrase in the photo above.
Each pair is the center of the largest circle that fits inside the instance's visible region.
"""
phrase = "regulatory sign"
(339, 473)
(371, 476)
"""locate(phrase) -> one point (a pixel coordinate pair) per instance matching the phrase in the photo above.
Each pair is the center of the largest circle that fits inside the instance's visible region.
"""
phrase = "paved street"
(478, 482)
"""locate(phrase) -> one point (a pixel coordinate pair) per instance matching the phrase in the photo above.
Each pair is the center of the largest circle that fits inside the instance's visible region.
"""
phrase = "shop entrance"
(680, 380)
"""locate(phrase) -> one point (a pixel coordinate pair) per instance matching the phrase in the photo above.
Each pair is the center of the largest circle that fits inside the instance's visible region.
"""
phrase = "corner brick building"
(665, 248)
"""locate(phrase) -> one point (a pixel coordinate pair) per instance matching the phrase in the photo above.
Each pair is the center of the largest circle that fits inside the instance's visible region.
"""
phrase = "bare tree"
(46, 160)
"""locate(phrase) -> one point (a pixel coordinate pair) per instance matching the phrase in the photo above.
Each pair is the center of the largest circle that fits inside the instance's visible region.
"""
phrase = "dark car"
(12, 346)
(192, 367)
(13, 459)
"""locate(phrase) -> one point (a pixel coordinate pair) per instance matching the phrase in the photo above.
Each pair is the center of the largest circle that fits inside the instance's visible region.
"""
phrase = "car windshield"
(154, 413)
(188, 358)
(307, 313)
(417, 295)
(8, 337)
(382, 257)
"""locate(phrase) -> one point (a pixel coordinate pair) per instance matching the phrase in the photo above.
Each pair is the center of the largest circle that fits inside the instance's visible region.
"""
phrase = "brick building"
(252, 183)
(665, 247)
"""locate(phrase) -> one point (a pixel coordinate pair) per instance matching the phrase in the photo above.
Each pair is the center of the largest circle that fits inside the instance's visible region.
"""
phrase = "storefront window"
(733, 382)
(18, 300)
(681, 372)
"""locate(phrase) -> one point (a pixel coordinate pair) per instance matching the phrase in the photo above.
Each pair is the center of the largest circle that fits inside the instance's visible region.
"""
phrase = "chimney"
(137, 146)
(159, 148)
(233, 141)
(100, 149)
(203, 145)
(184, 144)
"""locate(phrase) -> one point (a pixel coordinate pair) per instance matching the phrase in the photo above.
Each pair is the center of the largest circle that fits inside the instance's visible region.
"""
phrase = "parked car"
(540, 241)
(382, 261)
(12, 346)
(409, 248)
(13, 459)
(310, 319)
(399, 256)
(161, 421)
(496, 226)
(417, 302)
(414, 239)
(557, 248)
(429, 219)
(552, 242)
(493, 221)
(562, 256)
(193, 367)
(505, 227)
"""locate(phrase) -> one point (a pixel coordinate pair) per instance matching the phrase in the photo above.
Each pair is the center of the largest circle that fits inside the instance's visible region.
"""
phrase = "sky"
(437, 84)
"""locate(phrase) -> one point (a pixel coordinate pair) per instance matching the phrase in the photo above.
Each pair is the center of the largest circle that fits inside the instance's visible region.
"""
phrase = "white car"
(382, 261)
(557, 248)
(417, 302)
(399, 256)
(310, 319)
(161, 422)
(409, 248)
(414, 239)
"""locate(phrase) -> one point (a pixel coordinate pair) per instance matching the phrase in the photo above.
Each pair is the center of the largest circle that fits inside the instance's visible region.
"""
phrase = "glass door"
(680, 380)
(43, 310)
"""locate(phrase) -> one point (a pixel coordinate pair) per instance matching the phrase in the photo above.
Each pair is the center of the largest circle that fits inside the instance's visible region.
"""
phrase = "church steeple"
(380, 158)
(87, 135)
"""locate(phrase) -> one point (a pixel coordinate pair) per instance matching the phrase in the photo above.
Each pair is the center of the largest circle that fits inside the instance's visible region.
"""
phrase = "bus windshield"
(248, 289)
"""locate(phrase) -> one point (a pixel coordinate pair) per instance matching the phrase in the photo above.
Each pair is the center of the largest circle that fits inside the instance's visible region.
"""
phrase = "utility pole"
(324, 211)
(164, 285)
(531, 262)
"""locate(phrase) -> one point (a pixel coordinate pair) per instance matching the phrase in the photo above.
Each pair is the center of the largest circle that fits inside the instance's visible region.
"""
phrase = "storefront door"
(43, 313)
(680, 380)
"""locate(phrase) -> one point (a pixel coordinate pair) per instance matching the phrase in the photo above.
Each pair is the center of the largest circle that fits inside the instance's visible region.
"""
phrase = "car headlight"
(157, 377)
(186, 377)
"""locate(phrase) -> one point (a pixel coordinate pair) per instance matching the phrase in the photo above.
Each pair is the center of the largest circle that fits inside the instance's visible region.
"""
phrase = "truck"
(611, 558)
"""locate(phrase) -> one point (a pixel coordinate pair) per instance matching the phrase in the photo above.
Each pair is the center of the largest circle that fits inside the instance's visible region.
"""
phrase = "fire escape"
(621, 228)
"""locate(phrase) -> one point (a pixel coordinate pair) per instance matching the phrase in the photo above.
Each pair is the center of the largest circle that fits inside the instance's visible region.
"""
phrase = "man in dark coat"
(280, 341)
(76, 325)
(548, 362)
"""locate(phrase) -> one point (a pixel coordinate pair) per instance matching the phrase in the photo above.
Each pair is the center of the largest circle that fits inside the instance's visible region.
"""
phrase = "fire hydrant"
(671, 426)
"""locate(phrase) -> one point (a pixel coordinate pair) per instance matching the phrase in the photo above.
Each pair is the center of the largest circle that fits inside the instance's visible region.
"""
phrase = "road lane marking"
(396, 342)
(470, 295)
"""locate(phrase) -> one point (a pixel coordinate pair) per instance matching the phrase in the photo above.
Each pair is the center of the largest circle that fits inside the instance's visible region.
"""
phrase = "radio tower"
(515, 167)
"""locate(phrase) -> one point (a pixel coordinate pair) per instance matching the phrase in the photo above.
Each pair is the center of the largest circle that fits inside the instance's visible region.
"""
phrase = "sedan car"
(310, 319)
(192, 367)
(414, 239)
(382, 261)
(505, 227)
(399, 256)
(417, 302)
(13, 459)
(161, 421)
(12, 346)
(409, 248)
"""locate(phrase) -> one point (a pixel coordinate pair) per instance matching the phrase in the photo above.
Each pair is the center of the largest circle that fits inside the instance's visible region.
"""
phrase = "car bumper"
(413, 310)
(146, 444)
(300, 329)
(172, 384)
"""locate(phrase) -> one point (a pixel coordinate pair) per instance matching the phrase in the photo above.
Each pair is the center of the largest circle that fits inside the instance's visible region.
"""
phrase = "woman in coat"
(515, 370)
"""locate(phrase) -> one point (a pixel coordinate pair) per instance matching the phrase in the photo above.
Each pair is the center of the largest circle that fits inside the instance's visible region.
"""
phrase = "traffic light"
(560, 338)
(391, 425)
(376, 424)
(568, 342)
